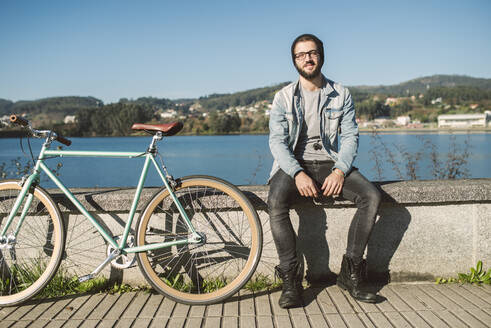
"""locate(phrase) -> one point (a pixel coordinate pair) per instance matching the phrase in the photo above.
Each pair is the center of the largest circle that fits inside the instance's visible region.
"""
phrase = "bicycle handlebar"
(36, 133)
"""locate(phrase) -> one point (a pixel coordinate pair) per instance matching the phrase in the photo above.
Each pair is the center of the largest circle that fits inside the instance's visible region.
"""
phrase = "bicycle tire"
(35, 255)
(214, 270)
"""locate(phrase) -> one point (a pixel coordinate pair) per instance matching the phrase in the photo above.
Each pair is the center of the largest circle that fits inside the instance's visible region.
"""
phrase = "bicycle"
(198, 240)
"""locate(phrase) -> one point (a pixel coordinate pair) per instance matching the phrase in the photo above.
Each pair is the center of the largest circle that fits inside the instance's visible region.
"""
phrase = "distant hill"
(52, 105)
(422, 84)
(56, 108)
(243, 98)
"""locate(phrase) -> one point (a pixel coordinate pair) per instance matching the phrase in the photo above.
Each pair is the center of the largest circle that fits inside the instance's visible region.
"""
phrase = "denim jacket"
(337, 124)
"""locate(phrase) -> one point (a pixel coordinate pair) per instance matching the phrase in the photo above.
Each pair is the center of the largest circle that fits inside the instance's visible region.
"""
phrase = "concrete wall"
(424, 229)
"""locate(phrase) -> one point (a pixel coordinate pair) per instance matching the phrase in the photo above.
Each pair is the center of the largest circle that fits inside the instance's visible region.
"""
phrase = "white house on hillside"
(464, 120)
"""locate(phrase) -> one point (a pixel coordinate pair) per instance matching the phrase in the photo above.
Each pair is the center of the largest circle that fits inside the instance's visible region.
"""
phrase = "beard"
(311, 75)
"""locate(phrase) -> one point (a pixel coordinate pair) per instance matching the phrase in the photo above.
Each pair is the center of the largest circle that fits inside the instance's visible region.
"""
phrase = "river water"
(246, 159)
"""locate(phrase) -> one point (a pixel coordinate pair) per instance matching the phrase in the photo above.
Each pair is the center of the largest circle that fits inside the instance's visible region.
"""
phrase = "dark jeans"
(356, 188)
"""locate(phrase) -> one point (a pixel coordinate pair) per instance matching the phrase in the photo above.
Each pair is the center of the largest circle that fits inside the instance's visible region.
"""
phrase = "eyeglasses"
(303, 55)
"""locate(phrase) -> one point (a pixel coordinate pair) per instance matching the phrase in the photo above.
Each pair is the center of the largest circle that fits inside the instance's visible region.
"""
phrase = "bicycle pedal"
(86, 277)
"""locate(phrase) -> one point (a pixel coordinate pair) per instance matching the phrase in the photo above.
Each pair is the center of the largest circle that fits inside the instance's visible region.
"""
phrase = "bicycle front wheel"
(30, 250)
(222, 263)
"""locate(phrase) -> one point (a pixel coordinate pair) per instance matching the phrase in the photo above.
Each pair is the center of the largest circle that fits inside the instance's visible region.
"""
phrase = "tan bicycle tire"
(55, 237)
(239, 253)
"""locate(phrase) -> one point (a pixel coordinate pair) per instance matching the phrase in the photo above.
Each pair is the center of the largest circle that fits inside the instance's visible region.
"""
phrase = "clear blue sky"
(174, 49)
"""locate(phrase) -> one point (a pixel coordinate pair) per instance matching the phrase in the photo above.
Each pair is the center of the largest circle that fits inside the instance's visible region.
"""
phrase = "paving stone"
(56, 308)
(142, 322)
(394, 300)
(230, 322)
(366, 320)
(103, 307)
(432, 319)
(300, 320)
(246, 322)
(479, 292)
(135, 306)
(212, 322)
(263, 305)
(89, 323)
(73, 323)
(246, 303)
(159, 322)
(451, 319)
(174, 322)
(468, 319)
(461, 291)
(125, 323)
(325, 303)
(88, 306)
(197, 311)
(340, 301)
(430, 300)
(275, 296)
(231, 308)
(446, 302)
(352, 320)
(120, 306)
(180, 310)
(415, 320)
(193, 322)
(20, 312)
(407, 294)
(55, 323)
(20, 324)
(481, 316)
(283, 321)
(454, 297)
(335, 320)
(151, 306)
(318, 321)
(214, 310)
(71, 308)
(38, 323)
(165, 309)
(378, 319)
(397, 320)
(265, 322)
(35, 312)
(107, 323)
(5, 311)
(311, 294)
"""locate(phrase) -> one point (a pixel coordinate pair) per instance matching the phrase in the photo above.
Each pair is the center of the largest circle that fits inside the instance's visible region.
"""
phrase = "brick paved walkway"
(406, 305)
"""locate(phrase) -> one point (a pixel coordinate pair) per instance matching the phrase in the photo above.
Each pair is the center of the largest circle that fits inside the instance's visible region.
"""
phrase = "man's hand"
(305, 185)
(333, 183)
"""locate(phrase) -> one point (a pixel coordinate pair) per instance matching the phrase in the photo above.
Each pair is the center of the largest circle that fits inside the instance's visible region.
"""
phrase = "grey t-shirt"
(309, 145)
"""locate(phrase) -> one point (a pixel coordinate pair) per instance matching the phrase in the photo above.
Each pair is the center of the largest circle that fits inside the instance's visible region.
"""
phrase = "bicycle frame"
(149, 158)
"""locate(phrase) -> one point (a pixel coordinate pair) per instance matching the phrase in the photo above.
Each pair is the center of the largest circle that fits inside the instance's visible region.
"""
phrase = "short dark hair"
(309, 37)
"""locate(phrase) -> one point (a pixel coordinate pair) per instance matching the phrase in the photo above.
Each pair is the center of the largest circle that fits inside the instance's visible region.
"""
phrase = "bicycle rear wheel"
(30, 257)
(218, 267)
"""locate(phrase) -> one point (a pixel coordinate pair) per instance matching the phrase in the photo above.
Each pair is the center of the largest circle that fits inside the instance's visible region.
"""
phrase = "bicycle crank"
(123, 261)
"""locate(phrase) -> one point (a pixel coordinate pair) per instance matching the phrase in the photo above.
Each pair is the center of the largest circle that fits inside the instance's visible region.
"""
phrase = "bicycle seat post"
(156, 137)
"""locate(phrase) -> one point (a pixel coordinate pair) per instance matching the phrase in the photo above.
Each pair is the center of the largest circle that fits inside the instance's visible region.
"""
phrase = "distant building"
(402, 120)
(168, 113)
(69, 119)
(464, 120)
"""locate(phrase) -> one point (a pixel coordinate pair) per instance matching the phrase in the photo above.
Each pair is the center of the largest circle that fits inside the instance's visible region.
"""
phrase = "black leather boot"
(291, 295)
(351, 277)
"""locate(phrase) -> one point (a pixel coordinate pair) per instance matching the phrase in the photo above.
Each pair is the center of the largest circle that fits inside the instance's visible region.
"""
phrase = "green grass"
(261, 282)
(477, 275)
(63, 283)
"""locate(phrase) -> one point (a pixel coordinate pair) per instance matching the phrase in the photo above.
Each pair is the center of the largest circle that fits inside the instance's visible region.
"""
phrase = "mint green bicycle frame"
(149, 158)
